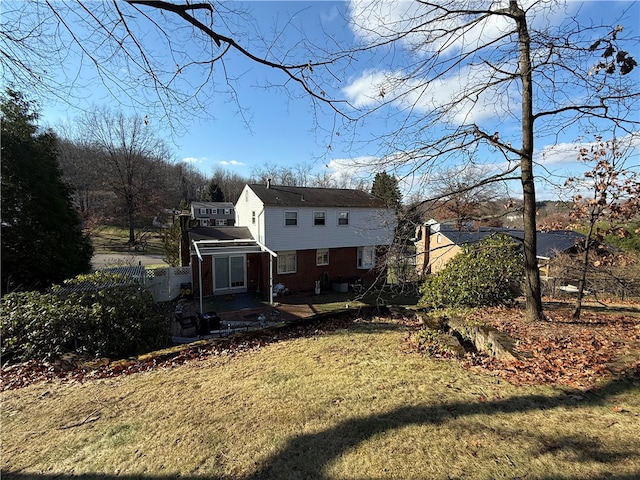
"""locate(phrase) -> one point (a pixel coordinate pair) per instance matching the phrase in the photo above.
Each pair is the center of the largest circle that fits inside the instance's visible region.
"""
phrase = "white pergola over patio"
(239, 246)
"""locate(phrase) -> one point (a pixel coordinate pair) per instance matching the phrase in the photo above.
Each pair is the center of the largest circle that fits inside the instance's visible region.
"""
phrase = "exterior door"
(229, 272)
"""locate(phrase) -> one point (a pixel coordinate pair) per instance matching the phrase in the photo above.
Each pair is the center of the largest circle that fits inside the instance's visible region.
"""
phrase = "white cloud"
(425, 51)
(193, 160)
(374, 21)
(449, 96)
(231, 163)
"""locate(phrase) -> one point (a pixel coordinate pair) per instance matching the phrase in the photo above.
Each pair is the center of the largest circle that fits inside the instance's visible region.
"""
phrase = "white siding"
(366, 227)
(247, 203)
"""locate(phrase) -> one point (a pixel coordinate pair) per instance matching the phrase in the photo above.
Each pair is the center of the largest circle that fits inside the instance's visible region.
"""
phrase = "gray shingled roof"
(314, 197)
(549, 244)
(220, 233)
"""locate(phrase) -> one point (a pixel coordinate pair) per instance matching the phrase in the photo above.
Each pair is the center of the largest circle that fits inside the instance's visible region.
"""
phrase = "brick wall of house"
(342, 267)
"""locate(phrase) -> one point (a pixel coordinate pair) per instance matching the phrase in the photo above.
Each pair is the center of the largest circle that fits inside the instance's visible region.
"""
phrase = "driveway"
(102, 260)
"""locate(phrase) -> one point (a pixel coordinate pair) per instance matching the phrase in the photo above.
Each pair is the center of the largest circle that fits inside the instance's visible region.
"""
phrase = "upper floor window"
(343, 218)
(322, 256)
(253, 217)
(319, 218)
(227, 211)
(203, 211)
(290, 219)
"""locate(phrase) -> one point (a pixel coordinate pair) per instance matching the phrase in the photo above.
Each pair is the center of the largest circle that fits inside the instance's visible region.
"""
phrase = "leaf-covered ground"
(599, 346)
(558, 351)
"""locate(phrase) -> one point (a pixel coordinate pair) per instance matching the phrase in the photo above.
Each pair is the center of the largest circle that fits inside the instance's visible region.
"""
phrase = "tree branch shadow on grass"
(307, 456)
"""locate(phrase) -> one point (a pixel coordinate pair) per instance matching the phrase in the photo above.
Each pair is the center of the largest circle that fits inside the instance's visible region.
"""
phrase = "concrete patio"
(241, 312)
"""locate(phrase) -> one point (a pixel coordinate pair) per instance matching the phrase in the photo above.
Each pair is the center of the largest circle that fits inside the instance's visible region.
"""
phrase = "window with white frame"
(319, 218)
(286, 262)
(221, 222)
(322, 256)
(290, 219)
(253, 217)
(343, 218)
(203, 211)
(366, 257)
(227, 211)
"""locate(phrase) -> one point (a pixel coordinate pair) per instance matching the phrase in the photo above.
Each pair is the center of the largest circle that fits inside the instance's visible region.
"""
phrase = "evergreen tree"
(386, 188)
(214, 192)
(42, 238)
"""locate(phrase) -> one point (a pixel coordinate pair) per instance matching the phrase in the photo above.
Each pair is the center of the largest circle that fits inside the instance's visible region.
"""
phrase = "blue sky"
(249, 121)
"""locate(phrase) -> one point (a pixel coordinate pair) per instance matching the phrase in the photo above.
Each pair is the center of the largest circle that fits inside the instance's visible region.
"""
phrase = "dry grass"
(110, 239)
(350, 404)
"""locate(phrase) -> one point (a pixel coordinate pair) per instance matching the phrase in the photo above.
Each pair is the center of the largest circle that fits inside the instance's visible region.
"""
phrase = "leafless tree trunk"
(133, 155)
(532, 289)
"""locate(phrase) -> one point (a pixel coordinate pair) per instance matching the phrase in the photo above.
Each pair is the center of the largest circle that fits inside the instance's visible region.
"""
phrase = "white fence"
(164, 283)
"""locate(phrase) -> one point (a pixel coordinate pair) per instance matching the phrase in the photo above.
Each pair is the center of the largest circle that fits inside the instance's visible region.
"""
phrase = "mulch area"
(558, 351)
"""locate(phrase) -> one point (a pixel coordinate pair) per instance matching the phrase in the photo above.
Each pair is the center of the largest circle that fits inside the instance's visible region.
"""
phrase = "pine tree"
(386, 188)
(214, 192)
(42, 238)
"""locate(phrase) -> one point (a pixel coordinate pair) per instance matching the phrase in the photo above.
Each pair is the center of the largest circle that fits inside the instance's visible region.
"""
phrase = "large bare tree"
(478, 83)
(134, 156)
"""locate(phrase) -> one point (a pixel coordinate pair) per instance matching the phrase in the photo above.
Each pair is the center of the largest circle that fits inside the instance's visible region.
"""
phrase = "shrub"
(482, 274)
(113, 321)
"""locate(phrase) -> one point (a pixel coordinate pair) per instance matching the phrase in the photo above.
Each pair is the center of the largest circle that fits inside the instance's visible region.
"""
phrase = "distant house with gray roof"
(213, 214)
(437, 243)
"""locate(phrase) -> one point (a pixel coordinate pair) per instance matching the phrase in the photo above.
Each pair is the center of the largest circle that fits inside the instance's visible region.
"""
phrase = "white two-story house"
(317, 233)
(294, 236)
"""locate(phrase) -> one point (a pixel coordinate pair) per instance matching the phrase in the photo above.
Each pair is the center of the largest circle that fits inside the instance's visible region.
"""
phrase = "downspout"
(270, 280)
(199, 272)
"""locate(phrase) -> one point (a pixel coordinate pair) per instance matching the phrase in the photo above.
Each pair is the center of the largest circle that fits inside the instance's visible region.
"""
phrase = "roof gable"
(314, 197)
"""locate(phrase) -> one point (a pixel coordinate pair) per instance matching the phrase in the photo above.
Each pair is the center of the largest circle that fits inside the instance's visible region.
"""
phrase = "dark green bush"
(113, 321)
(483, 274)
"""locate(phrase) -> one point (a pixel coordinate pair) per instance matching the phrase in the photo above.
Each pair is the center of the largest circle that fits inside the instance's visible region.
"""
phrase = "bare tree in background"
(465, 197)
(133, 155)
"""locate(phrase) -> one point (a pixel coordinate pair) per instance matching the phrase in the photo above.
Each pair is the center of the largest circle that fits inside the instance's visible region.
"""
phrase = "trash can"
(185, 290)
(208, 321)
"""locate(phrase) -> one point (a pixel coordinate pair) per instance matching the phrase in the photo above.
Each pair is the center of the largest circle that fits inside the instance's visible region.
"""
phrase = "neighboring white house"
(294, 236)
(213, 214)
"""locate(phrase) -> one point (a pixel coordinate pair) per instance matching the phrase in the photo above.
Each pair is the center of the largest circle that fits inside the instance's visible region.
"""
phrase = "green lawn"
(346, 404)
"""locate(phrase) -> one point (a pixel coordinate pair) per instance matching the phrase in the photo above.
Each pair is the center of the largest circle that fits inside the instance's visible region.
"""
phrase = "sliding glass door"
(229, 272)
